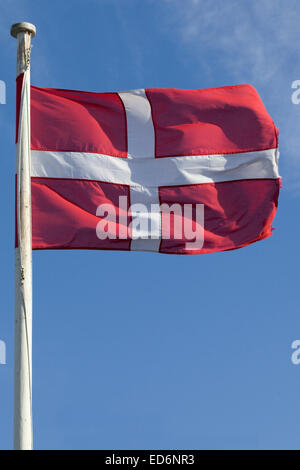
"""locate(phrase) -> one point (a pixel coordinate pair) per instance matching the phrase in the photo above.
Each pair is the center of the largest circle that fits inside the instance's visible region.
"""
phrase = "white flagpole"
(23, 438)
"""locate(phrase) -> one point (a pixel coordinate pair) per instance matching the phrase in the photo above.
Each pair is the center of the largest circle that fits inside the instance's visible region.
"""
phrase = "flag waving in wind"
(165, 170)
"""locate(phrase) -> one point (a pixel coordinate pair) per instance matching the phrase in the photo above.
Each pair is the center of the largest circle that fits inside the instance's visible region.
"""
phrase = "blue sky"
(149, 351)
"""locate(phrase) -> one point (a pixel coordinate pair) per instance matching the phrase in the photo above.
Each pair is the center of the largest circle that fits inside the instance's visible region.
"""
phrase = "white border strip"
(140, 130)
(141, 148)
(155, 172)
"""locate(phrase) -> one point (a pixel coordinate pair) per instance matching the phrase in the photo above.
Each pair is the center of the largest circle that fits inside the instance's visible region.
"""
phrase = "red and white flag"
(166, 170)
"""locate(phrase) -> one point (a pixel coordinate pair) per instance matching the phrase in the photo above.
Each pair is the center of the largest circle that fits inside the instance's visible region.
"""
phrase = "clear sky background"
(145, 350)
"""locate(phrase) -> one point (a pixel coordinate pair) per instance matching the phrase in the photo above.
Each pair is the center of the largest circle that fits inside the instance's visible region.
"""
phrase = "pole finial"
(23, 28)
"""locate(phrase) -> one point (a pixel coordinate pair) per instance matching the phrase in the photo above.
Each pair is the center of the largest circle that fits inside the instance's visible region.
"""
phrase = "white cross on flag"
(166, 170)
